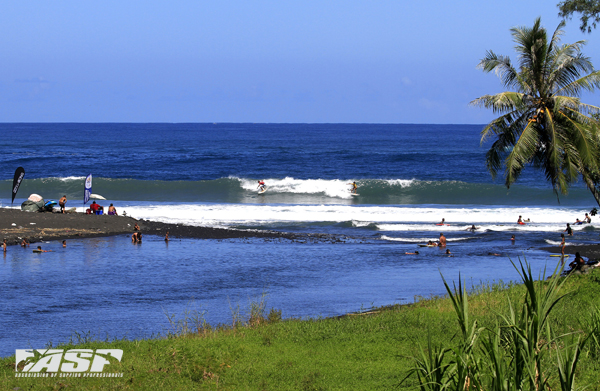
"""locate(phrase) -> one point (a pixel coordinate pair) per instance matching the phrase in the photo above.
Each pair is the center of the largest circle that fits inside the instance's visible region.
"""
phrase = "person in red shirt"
(95, 207)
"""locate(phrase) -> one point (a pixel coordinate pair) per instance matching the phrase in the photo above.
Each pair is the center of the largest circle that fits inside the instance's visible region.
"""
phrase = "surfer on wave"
(261, 185)
(354, 187)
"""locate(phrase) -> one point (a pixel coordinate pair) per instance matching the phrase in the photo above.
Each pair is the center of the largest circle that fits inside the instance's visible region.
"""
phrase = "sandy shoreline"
(16, 224)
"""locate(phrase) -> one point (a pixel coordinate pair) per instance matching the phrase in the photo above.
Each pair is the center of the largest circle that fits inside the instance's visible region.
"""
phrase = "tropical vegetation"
(543, 122)
(493, 337)
(589, 11)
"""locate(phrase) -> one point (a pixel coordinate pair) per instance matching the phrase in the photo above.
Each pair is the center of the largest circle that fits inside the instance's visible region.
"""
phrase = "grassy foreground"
(373, 351)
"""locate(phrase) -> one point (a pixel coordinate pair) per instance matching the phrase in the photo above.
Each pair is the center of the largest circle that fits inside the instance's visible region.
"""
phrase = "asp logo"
(61, 363)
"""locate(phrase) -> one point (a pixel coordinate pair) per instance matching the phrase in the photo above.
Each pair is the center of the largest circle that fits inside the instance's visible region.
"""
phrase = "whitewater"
(207, 175)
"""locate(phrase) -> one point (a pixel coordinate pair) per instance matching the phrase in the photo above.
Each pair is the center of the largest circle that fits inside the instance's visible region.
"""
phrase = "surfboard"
(38, 251)
(442, 224)
(354, 194)
(263, 190)
(427, 245)
(558, 255)
(521, 223)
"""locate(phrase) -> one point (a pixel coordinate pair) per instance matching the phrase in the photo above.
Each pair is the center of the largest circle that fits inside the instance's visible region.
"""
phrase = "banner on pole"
(87, 192)
(19, 174)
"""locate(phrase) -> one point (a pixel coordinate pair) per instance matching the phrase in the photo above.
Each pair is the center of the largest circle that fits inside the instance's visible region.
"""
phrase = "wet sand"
(591, 251)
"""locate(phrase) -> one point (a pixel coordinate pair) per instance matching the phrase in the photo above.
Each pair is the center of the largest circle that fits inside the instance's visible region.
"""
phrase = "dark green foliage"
(589, 11)
(543, 123)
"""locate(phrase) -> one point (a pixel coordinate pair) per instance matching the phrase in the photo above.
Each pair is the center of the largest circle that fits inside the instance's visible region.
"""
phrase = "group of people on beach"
(99, 209)
(93, 209)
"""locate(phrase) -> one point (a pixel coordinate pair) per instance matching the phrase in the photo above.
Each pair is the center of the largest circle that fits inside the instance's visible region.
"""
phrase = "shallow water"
(206, 174)
(111, 287)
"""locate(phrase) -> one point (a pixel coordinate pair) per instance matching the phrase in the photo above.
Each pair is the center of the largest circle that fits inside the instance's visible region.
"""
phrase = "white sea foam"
(332, 188)
(422, 240)
(69, 178)
(387, 218)
(400, 182)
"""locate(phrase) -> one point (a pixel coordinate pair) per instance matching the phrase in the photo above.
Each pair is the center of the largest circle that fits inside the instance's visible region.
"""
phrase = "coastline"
(16, 224)
(590, 251)
(43, 226)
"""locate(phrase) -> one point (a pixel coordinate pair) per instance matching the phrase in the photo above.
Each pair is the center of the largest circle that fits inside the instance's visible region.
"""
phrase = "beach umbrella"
(97, 197)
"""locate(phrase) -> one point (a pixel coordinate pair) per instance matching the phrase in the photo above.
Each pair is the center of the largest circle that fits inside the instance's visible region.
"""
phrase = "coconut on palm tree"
(543, 122)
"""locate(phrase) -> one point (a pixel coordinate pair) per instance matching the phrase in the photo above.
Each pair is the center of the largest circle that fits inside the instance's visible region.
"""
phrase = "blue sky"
(259, 61)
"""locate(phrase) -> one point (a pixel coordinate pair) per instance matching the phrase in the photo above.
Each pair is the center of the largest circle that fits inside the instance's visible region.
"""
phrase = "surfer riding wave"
(261, 186)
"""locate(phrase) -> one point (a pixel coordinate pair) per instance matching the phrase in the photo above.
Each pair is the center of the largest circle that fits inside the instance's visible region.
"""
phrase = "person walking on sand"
(569, 230)
(442, 241)
(62, 202)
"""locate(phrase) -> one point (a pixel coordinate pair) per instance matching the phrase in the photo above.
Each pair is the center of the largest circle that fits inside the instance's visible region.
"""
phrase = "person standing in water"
(442, 241)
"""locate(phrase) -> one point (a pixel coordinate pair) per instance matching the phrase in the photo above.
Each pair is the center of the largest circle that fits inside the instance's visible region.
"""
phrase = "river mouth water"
(109, 287)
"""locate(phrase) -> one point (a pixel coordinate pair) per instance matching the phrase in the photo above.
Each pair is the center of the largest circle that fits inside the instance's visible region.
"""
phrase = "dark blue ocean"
(409, 177)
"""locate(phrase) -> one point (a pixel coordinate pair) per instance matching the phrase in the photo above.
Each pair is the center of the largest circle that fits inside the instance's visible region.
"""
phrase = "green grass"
(373, 351)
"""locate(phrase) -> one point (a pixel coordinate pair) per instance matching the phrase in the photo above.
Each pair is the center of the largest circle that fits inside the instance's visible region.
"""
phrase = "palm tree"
(543, 122)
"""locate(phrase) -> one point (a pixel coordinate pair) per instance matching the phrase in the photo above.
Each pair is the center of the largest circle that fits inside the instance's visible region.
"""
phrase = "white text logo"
(70, 363)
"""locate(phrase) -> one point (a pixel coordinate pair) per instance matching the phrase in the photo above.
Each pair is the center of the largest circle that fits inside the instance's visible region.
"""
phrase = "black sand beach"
(591, 251)
(16, 224)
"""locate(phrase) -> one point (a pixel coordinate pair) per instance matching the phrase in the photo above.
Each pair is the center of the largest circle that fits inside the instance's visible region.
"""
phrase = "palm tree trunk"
(592, 186)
